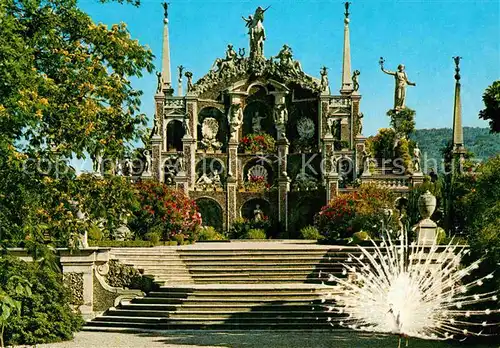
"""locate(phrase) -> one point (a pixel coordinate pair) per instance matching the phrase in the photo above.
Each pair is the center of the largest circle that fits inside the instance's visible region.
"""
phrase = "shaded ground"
(246, 339)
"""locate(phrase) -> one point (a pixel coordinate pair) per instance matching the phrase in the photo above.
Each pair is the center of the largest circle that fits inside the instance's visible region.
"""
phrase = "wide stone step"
(207, 325)
(206, 321)
(218, 315)
(220, 301)
(210, 307)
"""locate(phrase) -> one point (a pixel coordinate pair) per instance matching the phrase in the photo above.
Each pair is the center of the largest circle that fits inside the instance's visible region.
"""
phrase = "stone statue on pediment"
(256, 32)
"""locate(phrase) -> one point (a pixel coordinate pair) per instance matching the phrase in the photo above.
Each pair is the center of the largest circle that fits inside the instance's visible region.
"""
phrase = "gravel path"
(240, 339)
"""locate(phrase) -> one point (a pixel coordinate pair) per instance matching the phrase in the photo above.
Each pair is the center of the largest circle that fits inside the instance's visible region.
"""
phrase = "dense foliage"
(491, 111)
(45, 313)
(65, 92)
(477, 140)
(165, 211)
(363, 210)
(402, 121)
(241, 227)
(481, 210)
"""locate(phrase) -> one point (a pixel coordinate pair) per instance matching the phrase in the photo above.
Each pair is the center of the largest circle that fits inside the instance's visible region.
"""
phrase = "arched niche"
(211, 212)
(256, 162)
(208, 166)
(249, 208)
(175, 132)
(345, 169)
(215, 113)
(171, 166)
(297, 114)
(258, 115)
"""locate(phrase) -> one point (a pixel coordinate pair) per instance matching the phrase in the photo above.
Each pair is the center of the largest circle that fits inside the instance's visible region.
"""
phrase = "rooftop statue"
(256, 32)
(165, 9)
(400, 87)
(286, 61)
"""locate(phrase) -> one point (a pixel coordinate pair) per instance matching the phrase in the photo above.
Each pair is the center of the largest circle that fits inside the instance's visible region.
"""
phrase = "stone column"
(283, 189)
(329, 168)
(157, 164)
(331, 185)
(160, 121)
(283, 182)
(233, 176)
(189, 150)
(359, 147)
(78, 271)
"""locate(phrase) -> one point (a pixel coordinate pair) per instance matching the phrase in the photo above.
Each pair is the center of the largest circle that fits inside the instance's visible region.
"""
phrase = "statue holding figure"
(325, 85)
(416, 159)
(185, 125)
(280, 119)
(256, 32)
(258, 213)
(256, 125)
(97, 162)
(160, 82)
(286, 62)
(235, 121)
(367, 158)
(228, 63)
(189, 83)
(147, 163)
(402, 81)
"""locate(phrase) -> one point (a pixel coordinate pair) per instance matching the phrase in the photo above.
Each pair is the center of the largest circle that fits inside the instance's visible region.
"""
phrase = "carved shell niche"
(210, 128)
(305, 128)
(257, 171)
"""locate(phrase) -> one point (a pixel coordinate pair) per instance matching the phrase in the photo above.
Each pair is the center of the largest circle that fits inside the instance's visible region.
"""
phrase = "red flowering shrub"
(165, 211)
(257, 183)
(352, 212)
(257, 143)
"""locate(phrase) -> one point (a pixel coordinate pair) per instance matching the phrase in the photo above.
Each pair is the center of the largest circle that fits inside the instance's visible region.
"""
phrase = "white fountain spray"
(409, 290)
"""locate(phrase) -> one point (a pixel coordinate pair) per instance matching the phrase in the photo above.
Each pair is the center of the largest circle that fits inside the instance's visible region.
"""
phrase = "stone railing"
(84, 272)
(395, 183)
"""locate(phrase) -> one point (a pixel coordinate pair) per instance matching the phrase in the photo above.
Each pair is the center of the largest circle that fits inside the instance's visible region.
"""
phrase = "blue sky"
(423, 35)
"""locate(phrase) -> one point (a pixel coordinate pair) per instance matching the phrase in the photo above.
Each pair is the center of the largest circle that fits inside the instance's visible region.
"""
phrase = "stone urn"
(426, 205)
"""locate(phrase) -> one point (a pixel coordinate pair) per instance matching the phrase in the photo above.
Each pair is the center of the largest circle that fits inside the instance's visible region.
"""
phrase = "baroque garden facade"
(256, 133)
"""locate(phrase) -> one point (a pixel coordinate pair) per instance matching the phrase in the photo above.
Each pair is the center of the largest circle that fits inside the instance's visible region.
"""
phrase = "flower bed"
(255, 143)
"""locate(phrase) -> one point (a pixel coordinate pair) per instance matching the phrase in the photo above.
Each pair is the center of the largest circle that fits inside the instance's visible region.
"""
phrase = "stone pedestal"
(426, 232)
(78, 270)
(417, 178)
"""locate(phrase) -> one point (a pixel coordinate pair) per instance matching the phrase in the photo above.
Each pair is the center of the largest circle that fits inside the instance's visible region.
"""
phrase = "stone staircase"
(224, 286)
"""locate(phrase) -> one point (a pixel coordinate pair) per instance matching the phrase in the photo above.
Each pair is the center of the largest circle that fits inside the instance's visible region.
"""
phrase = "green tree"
(491, 112)
(65, 92)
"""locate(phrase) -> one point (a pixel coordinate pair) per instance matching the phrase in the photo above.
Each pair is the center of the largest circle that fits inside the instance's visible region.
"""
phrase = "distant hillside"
(477, 140)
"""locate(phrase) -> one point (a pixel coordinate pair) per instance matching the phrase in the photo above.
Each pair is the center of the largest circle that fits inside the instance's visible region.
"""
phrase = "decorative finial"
(381, 62)
(457, 67)
(181, 69)
(165, 10)
(347, 9)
